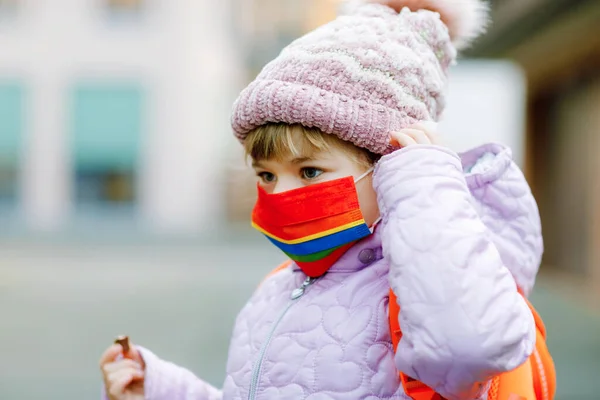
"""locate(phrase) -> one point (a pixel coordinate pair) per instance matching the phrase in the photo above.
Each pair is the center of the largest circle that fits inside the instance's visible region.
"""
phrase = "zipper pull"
(299, 292)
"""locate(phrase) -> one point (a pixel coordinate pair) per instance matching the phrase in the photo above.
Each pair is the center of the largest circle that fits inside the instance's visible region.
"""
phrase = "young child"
(354, 187)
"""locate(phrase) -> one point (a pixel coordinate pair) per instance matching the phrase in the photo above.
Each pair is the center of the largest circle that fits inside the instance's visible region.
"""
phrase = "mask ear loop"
(367, 172)
(377, 221)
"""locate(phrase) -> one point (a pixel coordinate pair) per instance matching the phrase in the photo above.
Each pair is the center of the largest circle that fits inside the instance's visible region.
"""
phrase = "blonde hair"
(278, 140)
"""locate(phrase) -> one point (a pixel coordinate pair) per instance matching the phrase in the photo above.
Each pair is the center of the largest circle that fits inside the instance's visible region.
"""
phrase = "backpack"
(533, 380)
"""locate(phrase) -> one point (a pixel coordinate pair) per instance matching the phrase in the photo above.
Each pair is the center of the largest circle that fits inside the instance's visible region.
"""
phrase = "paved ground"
(61, 304)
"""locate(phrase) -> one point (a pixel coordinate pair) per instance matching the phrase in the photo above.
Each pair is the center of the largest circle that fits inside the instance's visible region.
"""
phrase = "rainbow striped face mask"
(313, 225)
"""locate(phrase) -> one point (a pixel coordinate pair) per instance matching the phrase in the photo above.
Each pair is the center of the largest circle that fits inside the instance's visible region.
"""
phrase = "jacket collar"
(364, 253)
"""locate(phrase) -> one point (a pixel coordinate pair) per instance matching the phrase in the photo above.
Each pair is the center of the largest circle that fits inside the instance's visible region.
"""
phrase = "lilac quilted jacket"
(454, 238)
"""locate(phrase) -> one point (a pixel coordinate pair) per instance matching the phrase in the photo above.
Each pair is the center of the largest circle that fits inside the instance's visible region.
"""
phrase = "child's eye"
(266, 177)
(311, 173)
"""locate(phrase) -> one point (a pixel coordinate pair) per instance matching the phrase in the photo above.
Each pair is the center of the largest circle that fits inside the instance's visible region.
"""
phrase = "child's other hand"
(420, 133)
(123, 377)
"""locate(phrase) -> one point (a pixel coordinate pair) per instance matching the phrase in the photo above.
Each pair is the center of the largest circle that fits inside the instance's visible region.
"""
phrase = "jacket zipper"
(295, 295)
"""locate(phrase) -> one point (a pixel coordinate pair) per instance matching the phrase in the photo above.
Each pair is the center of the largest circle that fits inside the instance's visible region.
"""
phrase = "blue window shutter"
(11, 123)
(106, 126)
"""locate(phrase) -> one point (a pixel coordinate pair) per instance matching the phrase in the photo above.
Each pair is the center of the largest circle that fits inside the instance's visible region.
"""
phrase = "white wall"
(179, 186)
(486, 103)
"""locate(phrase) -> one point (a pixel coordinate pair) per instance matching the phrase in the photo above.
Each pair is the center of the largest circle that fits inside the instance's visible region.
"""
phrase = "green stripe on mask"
(312, 257)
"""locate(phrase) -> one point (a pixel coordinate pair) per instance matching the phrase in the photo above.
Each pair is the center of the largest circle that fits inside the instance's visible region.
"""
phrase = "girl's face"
(310, 167)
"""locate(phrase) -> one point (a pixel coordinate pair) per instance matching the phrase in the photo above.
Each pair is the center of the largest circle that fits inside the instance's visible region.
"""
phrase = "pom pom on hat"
(465, 19)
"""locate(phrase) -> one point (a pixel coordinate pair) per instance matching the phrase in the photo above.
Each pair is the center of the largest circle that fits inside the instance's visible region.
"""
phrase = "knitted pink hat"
(377, 68)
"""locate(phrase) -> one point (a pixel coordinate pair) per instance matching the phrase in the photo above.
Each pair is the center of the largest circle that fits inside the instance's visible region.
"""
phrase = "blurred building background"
(124, 199)
(114, 113)
(557, 45)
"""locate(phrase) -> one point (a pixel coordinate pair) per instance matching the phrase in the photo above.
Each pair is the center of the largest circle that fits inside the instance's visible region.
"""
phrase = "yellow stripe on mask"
(313, 236)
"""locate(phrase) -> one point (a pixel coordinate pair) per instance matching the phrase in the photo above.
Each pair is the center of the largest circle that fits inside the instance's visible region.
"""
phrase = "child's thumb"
(128, 350)
(135, 355)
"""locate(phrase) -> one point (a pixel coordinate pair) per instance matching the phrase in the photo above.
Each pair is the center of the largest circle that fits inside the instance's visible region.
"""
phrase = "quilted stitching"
(451, 242)
(461, 316)
(333, 343)
(506, 206)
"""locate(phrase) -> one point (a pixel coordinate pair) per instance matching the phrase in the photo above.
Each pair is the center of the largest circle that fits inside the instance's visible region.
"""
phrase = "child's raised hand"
(123, 376)
(420, 133)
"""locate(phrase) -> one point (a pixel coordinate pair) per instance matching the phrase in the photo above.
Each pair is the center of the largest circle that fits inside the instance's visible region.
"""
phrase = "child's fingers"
(401, 139)
(418, 135)
(113, 352)
(125, 363)
(119, 380)
(430, 128)
(135, 355)
(110, 354)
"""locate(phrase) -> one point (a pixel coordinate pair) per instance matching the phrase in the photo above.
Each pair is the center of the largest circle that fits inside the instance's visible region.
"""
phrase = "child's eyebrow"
(296, 160)
(300, 160)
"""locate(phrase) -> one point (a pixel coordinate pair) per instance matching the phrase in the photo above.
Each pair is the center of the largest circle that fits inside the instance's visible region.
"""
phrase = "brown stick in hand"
(123, 340)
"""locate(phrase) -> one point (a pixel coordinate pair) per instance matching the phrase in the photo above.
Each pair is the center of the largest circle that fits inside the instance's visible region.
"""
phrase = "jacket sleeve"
(462, 319)
(505, 204)
(167, 381)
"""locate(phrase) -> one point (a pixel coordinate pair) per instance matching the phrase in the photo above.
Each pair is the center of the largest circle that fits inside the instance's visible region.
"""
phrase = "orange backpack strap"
(542, 364)
(536, 378)
(394, 321)
(517, 384)
(279, 268)
(533, 380)
(412, 387)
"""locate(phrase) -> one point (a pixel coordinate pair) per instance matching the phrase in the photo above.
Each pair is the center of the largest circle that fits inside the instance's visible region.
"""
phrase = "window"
(105, 142)
(11, 131)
